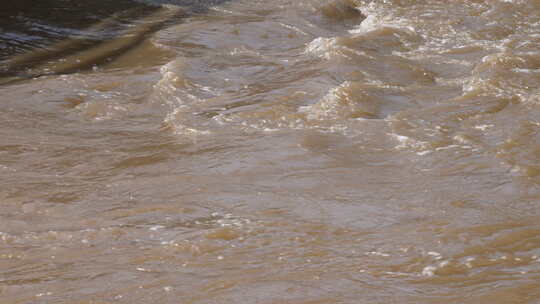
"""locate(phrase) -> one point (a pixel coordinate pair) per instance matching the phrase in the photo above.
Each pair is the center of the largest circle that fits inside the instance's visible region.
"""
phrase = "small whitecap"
(429, 271)
(321, 47)
(377, 253)
(526, 71)
(371, 23)
(434, 254)
(156, 227)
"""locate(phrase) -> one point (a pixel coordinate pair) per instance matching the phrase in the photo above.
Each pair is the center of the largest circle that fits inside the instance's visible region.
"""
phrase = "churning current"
(276, 151)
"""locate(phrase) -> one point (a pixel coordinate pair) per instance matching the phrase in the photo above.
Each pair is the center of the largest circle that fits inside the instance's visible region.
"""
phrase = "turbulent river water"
(283, 151)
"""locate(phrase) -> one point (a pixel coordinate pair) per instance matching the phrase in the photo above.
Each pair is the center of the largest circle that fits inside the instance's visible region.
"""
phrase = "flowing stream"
(284, 151)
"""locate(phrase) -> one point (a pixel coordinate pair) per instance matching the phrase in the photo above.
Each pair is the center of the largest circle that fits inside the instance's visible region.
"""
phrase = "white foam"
(483, 127)
(434, 254)
(369, 24)
(320, 47)
(374, 22)
(377, 253)
(406, 142)
(429, 271)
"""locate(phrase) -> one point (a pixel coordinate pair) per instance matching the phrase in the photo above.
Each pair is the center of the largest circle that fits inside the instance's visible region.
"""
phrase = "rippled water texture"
(282, 151)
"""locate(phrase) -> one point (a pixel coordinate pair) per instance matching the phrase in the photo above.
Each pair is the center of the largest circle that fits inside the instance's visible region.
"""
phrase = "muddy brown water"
(281, 151)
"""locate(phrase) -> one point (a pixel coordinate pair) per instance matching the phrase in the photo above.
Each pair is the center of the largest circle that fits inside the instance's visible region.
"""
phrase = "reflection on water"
(310, 151)
(73, 36)
(30, 24)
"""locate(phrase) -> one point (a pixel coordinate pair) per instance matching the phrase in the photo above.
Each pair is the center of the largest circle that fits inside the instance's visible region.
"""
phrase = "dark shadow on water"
(34, 33)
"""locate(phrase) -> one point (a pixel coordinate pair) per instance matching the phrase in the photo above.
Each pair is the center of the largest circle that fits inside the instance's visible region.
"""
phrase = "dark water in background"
(281, 151)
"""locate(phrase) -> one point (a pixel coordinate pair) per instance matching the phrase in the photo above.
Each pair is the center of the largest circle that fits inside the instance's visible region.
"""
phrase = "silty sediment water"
(272, 152)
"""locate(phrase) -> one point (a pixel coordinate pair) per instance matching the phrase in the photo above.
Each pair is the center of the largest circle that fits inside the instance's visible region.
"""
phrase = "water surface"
(270, 152)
